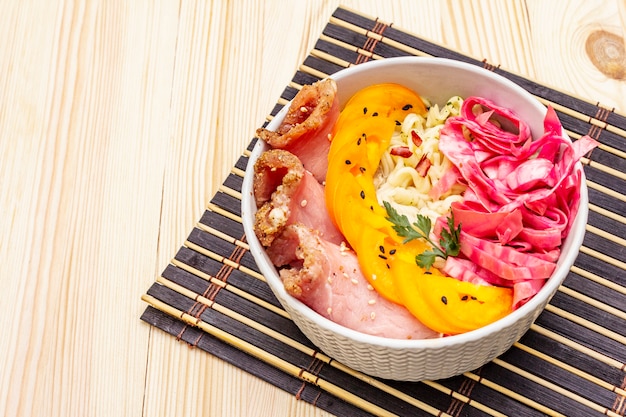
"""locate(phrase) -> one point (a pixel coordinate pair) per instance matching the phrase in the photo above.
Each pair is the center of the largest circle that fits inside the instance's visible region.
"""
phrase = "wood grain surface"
(119, 121)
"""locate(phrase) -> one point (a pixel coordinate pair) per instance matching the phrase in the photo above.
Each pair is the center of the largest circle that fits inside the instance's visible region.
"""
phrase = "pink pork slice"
(307, 126)
(286, 193)
(327, 278)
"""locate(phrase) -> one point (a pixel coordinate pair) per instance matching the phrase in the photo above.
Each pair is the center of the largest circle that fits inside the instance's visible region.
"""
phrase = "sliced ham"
(327, 278)
(504, 226)
(522, 195)
(286, 193)
(445, 183)
(466, 270)
(504, 261)
(307, 125)
(499, 127)
(538, 172)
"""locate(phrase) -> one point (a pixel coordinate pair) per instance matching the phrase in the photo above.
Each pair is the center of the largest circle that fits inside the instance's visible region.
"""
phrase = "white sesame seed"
(373, 315)
(355, 281)
(373, 277)
(330, 137)
(346, 275)
(303, 109)
(369, 287)
(329, 310)
(303, 203)
(330, 280)
(371, 302)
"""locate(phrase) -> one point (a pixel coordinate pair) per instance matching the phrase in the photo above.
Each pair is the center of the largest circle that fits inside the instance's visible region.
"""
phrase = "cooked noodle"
(397, 180)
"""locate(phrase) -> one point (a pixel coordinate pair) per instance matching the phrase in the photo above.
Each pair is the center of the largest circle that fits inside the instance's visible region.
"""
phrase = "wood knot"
(608, 53)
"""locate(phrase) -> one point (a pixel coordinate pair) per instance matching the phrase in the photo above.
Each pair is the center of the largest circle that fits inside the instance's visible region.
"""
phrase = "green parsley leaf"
(449, 244)
(401, 224)
(426, 259)
(449, 240)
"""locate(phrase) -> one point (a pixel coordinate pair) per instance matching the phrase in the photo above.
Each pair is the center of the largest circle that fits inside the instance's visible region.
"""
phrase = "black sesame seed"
(358, 141)
(444, 300)
(388, 267)
(381, 248)
(407, 107)
(375, 114)
(362, 169)
(364, 110)
(473, 298)
(464, 298)
(348, 162)
(381, 256)
(363, 194)
(392, 251)
(427, 273)
(398, 123)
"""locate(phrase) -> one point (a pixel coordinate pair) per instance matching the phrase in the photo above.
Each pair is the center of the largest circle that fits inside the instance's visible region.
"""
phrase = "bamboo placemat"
(571, 362)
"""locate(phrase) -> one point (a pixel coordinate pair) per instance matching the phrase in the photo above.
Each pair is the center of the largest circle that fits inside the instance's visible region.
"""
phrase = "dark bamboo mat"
(572, 361)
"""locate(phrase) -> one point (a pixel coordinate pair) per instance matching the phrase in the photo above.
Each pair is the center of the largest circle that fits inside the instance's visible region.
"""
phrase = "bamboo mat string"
(456, 405)
(619, 406)
(490, 67)
(206, 299)
(374, 36)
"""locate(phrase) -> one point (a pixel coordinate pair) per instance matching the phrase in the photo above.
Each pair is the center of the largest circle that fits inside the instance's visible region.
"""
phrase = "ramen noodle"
(397, 179)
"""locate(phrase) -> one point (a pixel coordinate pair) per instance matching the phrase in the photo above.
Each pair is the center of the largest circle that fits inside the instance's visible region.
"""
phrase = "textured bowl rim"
(534, 306)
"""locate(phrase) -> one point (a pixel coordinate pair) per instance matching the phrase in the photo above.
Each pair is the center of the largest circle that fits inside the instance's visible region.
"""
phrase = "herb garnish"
(448, 242)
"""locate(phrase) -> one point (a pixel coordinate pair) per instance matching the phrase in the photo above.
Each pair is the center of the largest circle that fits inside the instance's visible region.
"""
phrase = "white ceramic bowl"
(412, 360)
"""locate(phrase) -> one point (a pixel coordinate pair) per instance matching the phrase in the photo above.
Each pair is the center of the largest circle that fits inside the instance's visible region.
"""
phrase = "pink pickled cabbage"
(522, 195)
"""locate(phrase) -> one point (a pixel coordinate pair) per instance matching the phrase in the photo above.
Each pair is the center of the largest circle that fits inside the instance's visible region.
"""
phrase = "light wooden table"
(118, 122)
